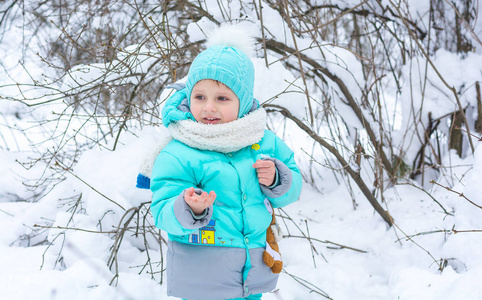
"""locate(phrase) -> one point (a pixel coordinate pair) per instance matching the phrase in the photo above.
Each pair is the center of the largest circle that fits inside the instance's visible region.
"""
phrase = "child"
(213, 185)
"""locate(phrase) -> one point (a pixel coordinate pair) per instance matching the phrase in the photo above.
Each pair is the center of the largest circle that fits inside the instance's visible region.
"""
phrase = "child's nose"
(210, 106)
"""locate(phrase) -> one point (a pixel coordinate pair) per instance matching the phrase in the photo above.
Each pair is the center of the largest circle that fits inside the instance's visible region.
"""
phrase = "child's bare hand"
(199, 202)
(266, 171)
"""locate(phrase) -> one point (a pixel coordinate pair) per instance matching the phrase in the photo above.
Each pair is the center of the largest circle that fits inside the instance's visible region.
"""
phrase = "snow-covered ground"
(383, 264)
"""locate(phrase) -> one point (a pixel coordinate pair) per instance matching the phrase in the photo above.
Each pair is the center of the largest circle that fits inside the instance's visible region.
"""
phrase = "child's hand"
(199, 202)
(266, 171)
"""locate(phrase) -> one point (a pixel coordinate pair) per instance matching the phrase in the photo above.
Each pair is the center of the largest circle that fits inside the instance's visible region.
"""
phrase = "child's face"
(213, 102)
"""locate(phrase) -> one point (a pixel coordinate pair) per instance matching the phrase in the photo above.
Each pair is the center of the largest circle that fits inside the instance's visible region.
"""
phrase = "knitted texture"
(228, 137)
(229, 66)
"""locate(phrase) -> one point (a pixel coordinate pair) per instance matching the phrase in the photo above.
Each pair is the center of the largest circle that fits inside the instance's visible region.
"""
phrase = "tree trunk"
(478, 122)
(456, 137)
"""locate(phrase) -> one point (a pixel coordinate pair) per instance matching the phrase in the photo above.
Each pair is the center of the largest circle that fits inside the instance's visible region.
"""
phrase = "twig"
(423, 190)
(460, 194)
(313, 288)
(479, 138)
(453, 230)
(298, 54)
(464, 22)
(118, 240)
(354, 175)
(296, 225)
(73, 228)
(466, 231)
(410, 239)
(281, 48)
(312, 248)
(327, 242)
(9, 214)
(343, 13)
(262, 31)
(57, 163)
(451, 88)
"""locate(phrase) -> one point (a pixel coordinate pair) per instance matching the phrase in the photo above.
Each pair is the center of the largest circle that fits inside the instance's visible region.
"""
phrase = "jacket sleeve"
(169, 179)
(289, 188)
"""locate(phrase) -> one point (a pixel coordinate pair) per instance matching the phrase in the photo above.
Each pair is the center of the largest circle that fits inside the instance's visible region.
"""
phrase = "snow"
(197, 30)
(431, 252)
(389, 267)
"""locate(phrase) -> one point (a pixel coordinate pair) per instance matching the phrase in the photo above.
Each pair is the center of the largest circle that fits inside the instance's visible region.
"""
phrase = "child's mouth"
(211, 120)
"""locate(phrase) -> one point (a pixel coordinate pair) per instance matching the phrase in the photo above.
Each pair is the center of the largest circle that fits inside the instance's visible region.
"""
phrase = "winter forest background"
(379, 99)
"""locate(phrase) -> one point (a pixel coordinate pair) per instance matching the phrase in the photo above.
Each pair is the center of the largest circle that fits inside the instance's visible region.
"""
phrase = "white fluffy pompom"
(239, 36)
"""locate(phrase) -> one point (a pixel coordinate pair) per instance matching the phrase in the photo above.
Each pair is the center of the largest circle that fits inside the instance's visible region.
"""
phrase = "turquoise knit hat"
(229, 66)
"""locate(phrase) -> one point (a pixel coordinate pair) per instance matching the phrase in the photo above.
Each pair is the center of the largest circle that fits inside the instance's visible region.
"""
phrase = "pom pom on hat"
(232, 35)
(225, 62)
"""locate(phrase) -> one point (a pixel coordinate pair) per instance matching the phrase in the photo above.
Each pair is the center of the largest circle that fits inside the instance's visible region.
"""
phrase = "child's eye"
(199, 97)
(221, 98)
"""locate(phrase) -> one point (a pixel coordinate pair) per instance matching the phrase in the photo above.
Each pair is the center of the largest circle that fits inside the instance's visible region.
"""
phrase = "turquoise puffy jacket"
(219, 255)
(239, 211)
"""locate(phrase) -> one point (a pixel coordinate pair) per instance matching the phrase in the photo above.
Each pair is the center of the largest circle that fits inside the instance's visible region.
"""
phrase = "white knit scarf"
(225, 138)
